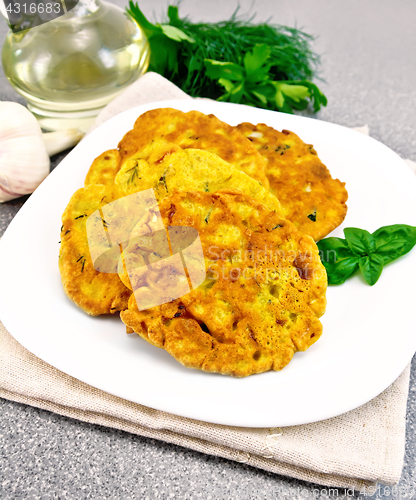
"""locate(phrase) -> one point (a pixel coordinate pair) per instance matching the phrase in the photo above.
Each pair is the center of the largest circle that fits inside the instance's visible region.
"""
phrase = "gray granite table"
(369, 65)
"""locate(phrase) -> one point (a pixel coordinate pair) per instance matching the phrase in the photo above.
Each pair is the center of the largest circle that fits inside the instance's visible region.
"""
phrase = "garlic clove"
(55, 142)
(24, 162)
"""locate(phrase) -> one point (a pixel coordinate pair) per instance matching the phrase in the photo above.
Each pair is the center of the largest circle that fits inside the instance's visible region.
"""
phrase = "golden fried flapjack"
(104, 168)
(261, 299)
(94, 292)
(310, 197)
(166, 167)
(197, 131)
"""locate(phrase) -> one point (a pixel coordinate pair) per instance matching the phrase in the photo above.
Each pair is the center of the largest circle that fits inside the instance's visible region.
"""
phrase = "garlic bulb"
(24, 162)
(25, 151)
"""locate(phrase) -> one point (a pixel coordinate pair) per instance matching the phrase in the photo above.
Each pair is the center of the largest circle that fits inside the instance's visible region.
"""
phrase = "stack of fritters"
(265, 285)
(261, 299)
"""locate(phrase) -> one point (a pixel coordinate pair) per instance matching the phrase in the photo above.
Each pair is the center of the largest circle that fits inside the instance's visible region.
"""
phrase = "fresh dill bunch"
(229, 41)
(263, 65)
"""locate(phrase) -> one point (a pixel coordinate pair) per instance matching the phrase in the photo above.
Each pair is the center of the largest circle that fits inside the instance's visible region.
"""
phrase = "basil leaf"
(333, 249)
(360, 241)
(339, 261)
(387, 233)
(394, 241)
(343, 269)
(371, 266)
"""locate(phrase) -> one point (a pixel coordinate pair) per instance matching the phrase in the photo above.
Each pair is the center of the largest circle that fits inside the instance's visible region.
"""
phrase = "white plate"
(369, 332)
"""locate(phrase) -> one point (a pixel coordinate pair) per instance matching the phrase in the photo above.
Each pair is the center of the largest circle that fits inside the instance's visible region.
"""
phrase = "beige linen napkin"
(354, 450)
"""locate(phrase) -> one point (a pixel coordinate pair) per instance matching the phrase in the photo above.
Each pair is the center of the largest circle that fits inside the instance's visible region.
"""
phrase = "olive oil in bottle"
(69, 68)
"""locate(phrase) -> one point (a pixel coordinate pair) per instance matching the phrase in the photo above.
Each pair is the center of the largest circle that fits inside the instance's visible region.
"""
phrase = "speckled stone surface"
(369, 65)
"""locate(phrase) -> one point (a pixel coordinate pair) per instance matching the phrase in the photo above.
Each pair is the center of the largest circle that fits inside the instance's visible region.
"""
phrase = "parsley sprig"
(252, 83)
(261, 65)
